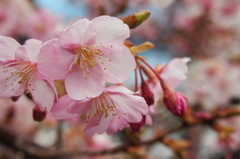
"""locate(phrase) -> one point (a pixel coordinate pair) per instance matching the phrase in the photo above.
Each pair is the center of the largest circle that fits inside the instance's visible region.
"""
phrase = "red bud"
(146, 93)
(38, 114)
(176, 102)
(136, 126)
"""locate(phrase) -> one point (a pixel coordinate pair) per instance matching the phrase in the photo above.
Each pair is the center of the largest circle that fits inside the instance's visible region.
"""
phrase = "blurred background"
(207, 31)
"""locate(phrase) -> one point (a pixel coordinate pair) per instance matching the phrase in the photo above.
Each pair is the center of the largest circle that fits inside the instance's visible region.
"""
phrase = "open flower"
(19, 74)
(88, 54)
(110, 111)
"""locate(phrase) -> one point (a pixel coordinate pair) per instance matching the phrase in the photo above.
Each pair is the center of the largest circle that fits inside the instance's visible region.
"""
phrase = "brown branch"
(31, 150)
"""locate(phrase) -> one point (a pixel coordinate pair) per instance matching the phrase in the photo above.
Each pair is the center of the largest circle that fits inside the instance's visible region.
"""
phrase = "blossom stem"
(136, 79)
(162, 82)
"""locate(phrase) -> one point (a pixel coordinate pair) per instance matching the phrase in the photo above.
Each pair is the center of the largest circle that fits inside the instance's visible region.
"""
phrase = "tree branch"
(31, 150)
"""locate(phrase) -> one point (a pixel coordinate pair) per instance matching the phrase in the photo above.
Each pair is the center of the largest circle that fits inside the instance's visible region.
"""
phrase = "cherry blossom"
(19, 74)
(110, 111)
(88, 54)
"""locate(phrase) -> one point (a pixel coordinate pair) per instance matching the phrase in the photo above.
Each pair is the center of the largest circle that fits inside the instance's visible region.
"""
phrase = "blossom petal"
(54, 62)
(116, 125)
(43, 94)
(175, 72)
(8, 46)
(79, 34)
(81, 107)
(59, 109)
(79, 88)
(117, 66)
(9, 83)
(96, 127)
(118, 89)
(29, 51)
(130, 107)
(110, 29)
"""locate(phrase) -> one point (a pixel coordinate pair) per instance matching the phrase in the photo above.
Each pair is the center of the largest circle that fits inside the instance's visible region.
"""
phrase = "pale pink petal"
(80, 107)
(8, 46)
(96, 127)
(54, 62)
(149, 120)
(79, 88)
(59, 109)
(130, 107)
(117, 125)
(9, 85)
(118, 65)
(43, 94)
(118, 89)
(29, 51)
(175, 72)
(79, 34)
(110, 29)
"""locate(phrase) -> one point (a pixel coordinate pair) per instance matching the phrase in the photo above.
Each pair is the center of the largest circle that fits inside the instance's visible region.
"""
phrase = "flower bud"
(15, 98)
(136, 19)
(176, 102)
(146, 93)
(136, 126)
(38, 114)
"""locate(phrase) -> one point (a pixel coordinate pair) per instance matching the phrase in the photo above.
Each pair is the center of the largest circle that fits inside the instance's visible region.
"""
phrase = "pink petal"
(118, 66)
(54, 62)
(29, 51)
(59, 109)
(9, 85)
(81, 107)
(110, 29)
(96, 127)
(130, 107)
(116, 125)
(43, 94)
(118, 89)
(81, 33)
(8, 46)
(79, 88)
(175, 71)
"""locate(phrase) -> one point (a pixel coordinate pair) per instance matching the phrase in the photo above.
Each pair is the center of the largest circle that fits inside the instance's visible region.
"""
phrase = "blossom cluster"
(88, 55)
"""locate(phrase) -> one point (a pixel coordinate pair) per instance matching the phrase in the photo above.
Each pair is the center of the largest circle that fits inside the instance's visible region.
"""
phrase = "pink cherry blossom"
(88, 54)
(110, 111)
(19, 74)
(41, 25)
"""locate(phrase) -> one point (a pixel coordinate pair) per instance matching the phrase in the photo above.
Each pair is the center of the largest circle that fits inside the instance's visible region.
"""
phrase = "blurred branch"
(31, 150)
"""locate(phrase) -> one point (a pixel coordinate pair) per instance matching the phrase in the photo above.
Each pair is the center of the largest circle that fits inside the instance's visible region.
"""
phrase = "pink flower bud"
(176, 102)
(38, 114)
(136, 126)
(147, 94)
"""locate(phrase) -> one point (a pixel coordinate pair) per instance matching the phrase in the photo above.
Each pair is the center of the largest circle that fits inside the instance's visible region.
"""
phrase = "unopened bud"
(38, 114)
(176, 102)
(136, 19)
(15, 98)
(137, 126)
(146, 93)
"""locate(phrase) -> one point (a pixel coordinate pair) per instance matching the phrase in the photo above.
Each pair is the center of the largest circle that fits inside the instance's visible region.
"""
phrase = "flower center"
(102, 107)
(20, 73)
(88, 57)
